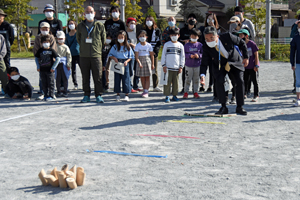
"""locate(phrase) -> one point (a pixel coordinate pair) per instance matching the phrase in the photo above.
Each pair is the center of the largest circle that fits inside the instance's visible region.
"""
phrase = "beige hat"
(233, 19)
(60, 34)
(45, 24)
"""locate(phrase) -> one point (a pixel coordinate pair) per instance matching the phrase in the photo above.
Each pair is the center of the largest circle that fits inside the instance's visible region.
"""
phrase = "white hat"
(60, 34)
(45, 24)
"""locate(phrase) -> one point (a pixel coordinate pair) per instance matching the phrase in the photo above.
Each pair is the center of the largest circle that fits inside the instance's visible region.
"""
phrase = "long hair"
(153, 20)
(74, 23)
(121, 32)
(215, 19)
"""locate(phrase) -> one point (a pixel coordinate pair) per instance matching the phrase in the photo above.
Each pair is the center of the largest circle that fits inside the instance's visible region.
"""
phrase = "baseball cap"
(45, 24)
(60, 34)
(234, 19)
(245, 31)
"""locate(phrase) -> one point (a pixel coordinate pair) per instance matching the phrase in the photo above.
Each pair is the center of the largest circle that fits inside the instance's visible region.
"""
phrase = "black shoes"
(201, 89)
(241, 111)
(209, 90)
(222, 111)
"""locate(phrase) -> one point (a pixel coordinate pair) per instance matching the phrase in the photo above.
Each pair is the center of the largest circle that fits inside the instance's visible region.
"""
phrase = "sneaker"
(85, 99)
(59, 94)
(255, 99)
(185, 96)
(140, 90)
(297, 104)
(167, 100)
(50, 99)
(209, 89)
(145, 95)
(6, 96)
(134, 91)
(175, 98)
(41, 97)
(76, 87)
(118, 98)
(99, 99)
(294, 91)
(196, 95)
(201, 89)
(295, 100)
(233, 101)
(126, 98)
(157, 89)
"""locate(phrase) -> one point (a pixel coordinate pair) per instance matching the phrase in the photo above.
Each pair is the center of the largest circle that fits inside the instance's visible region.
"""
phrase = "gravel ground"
(241, 157)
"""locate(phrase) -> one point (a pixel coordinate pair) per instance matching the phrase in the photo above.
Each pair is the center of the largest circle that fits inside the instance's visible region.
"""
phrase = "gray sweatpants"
(192, 74)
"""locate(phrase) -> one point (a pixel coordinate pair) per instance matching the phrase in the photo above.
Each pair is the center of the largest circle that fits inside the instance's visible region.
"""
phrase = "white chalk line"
(20, 116)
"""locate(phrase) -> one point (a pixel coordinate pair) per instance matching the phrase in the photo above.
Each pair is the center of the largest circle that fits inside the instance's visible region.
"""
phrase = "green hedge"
(279, 52)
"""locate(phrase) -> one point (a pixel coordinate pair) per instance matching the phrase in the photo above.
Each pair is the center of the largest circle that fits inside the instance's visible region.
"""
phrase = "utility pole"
(56, 8)
(268, 31)
(122, 7)
(237, 2)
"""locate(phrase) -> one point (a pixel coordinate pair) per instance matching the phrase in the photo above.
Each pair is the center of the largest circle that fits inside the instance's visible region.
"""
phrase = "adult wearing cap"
(8, 33)
(132, 36)
(45, 30)
(55, 24)
(184, 38)
(114, 24)
(225, 58)
(239, 12)
(91, 37)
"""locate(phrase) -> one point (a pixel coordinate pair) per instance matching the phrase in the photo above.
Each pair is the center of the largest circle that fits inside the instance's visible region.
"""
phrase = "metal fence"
(262, 41)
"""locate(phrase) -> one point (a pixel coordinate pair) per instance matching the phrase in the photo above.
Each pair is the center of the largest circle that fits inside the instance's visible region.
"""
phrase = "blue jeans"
(297, 73)
(125, 79)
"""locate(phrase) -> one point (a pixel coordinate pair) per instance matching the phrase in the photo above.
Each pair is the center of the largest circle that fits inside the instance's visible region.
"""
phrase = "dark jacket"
(55, 25)
(295, 50)
(8, 33)
(228, 40)
(185, 34)
(22, 84)
(155, 41)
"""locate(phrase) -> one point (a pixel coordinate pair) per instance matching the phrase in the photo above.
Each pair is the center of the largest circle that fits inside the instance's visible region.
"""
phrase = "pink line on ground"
(169, 136)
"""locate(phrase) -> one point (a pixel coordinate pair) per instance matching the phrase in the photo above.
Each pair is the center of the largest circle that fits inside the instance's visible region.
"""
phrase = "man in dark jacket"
(225, 57)
(8, 33)
(55, 24)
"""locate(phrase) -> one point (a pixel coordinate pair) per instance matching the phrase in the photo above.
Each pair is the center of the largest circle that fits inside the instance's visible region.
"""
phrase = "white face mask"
(49, 14)
(45, 32)
(174, 38)
(142, 39)
(46, 45)
(132, 26)
(211, 44)
(108, 41)
(90, 16)
(61, 41)
(210, 20)
(120, 40)
(72, 26)
(115, 14)
(194, 40)
(15, 77)
(149, 23)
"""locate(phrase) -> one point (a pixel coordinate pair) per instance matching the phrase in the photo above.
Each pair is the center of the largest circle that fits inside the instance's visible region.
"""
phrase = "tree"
(258, 10)
(75, 10)
(150, 12)
(189, 6)
(17, 13)
(131, 9)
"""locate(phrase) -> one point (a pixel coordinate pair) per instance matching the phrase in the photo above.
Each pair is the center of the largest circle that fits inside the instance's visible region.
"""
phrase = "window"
(173, 2)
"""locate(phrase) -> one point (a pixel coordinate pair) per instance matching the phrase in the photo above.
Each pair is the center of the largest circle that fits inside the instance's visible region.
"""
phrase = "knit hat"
(130, 19)
(238, 9)
(2, 13)
(45, 24)
(49, 7)
(60, 34)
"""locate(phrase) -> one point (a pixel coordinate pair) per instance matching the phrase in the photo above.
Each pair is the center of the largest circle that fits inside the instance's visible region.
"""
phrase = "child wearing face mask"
(45, 31)
(193, 54)
(18, 86)
(63, 70)
(72, 43)
(172, 60)
(46, 66)
(106, 61)
(122, 52)
(145, 59)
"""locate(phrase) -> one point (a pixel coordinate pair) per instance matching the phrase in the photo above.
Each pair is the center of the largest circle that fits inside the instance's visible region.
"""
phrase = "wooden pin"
(41, 176)
(71, 183)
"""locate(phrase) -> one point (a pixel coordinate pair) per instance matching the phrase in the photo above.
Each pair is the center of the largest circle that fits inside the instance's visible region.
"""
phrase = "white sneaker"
(157, 89)
(75, 87)
(126, 98)
(297, 104)
(41, 97)
(118, 98)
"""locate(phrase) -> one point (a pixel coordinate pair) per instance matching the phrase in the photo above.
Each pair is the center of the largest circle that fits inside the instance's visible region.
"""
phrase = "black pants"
(136, 79)
(75, 59)
(155, 75)
(94, 65)
(48, 83)
(252, 76)
(239, 78)
(7, 60)
(61, 78)
(12, 88)
(233, 83)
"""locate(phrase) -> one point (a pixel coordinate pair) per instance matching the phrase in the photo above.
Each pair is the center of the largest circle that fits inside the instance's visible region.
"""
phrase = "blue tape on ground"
(130, 154)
